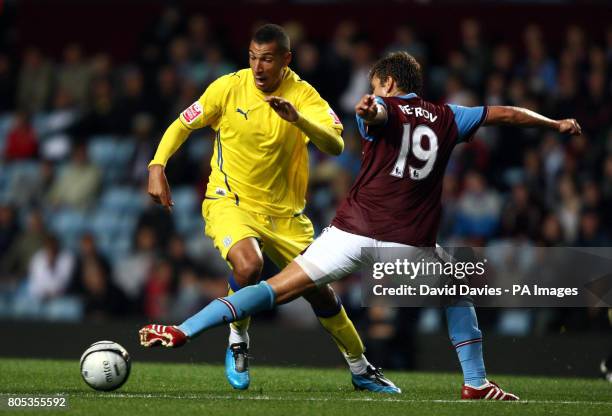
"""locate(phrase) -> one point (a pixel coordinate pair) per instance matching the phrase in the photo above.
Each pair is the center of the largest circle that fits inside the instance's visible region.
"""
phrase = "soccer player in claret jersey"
(394, 202)
(263, 117)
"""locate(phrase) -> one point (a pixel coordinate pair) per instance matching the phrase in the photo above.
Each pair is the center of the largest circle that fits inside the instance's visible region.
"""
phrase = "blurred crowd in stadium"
(80, 239)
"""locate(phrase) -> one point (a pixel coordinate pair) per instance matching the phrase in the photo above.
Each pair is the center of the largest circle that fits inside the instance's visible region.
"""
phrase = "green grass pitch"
(176, 389)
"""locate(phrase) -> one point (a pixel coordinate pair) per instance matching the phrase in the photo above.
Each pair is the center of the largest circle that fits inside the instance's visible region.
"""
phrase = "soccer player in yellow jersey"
(263, 118)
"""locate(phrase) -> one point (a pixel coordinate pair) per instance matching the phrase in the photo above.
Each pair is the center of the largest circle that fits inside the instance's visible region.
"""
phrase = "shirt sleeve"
(369, 132)
(207, 109)
(318, 111)
(468, 120)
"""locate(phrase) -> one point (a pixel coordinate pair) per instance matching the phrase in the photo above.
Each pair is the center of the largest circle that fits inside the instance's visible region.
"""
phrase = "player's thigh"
(333, 255)
(389, 252)
(227, 224)
(286, 238)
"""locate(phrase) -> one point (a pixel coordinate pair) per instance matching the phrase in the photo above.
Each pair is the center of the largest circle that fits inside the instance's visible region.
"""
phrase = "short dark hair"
(403, 68)
(273, 33)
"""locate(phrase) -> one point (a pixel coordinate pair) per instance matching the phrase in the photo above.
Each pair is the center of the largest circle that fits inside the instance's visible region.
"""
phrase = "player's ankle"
(476, 382)
(238, 336)
(183, 330)
(357, 365)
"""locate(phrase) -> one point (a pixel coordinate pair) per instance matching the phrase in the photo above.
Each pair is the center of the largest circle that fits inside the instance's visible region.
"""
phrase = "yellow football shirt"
(259, 159)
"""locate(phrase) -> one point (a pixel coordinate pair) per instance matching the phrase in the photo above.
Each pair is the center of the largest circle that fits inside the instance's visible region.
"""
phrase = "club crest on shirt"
(192, 112)
(334, 116)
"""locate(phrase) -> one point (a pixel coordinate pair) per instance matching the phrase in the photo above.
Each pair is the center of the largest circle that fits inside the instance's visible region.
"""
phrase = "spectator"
(538, 69)
(50, 271)
(590, 232)
(35, 82)
(406, 40)
(551, 232)
(78, 184)
(14, 263)
(21, 141)
(569, 207)
(101, 298)
(133, 101)
(503, 61)
(338, 60)
(9, 229)
(131, 272)
(179, 55)
(89, 253)
(158, 290)
(178, 256)
(478, 209)
(74, 75)
(189, 297)
(7, 84)
(159, 221)
(101, 66)
(358, 84)
(102, 116)
(27, 188)
(212, 67)
(143, 134)
(57, 126)
(166, 106)
(475, 51)
(595, 110)
(520, 216)
(199, 34)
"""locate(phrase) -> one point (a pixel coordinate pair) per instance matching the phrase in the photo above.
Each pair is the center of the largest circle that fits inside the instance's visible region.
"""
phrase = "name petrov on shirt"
(417, 112)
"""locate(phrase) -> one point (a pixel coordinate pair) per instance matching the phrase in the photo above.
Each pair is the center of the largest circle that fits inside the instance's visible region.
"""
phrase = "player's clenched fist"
(366, 107)
(283, 108)
(569, 126)
(158, 187)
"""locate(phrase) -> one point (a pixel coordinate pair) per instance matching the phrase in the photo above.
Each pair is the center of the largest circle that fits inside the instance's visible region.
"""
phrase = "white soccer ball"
(105, 365)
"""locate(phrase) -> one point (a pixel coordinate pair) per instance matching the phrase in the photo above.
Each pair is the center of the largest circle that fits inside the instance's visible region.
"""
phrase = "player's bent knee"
(323, 300)
(247, 262)
(247, 273)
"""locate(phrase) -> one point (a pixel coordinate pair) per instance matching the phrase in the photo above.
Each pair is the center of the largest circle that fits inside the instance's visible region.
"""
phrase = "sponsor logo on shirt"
(334, 117)
(192, 112)
(245, 114)
(227, 241)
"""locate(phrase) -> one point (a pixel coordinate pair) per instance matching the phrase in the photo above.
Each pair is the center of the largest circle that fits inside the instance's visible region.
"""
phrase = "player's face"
(379, 87)
(267, 64)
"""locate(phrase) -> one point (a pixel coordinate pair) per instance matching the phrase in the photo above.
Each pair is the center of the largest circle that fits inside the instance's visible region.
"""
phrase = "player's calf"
(161, 335)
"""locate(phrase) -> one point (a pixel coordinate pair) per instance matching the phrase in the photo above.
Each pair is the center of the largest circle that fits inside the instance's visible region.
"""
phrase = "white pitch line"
(323, 399)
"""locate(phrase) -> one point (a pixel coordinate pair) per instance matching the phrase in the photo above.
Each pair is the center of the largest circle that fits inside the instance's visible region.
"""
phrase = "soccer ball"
(105, 365)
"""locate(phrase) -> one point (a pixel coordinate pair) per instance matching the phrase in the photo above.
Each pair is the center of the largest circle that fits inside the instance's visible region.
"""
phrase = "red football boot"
(488, 391)
(167, 336)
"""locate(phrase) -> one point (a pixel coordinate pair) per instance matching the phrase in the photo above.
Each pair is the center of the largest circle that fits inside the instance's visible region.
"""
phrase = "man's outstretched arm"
(522, 117)
(158, 187)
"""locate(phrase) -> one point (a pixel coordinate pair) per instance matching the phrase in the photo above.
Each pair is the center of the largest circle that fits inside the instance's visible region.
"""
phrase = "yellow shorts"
(280, 238)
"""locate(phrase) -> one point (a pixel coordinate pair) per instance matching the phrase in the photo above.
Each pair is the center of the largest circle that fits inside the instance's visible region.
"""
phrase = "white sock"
(482, 386)
(237, 336)
(358, 365)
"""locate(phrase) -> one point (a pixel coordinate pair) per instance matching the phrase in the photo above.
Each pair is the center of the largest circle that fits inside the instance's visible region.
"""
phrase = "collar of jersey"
(407, 96)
